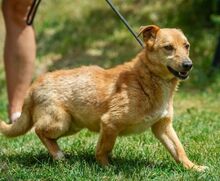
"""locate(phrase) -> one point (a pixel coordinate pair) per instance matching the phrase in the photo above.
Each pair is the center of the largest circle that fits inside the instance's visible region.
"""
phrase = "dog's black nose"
(187, 65)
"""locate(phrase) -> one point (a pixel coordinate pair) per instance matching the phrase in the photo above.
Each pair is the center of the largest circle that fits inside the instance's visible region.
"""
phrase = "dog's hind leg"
(50, 127)
(51, 145)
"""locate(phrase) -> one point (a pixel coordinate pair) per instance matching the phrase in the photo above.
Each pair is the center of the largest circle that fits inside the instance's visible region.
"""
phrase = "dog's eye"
(168, 47)
(187, 46)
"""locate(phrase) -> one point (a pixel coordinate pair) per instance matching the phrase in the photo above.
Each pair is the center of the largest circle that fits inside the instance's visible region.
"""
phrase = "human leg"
(19, 53)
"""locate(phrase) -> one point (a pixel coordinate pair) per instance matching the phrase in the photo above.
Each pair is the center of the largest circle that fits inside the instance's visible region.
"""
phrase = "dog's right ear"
(149, 34)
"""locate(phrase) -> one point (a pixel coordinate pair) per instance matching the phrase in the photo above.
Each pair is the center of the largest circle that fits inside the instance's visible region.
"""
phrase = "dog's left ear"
(149, 34)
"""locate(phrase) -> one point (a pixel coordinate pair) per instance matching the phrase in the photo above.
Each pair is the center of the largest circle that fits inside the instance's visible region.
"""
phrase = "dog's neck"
(149, 73)
(158, 71)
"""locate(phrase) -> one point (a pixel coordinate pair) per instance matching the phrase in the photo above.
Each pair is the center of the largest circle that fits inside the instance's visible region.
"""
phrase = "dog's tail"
(22, 125)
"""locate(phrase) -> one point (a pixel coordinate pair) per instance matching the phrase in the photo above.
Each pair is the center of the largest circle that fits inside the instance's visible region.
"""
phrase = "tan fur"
(129, 98)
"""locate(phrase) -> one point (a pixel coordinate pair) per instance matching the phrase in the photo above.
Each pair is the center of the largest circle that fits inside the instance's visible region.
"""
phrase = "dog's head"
(168, 51)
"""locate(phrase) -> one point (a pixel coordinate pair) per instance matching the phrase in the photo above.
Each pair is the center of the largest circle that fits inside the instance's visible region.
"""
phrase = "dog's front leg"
(106, 142)
(164, 131)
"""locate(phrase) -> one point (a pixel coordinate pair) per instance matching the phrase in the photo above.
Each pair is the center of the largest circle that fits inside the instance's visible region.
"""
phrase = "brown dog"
(126, 99)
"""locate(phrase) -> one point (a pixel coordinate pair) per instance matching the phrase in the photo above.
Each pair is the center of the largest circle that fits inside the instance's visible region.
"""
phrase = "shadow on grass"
(127, 166)
(89, 40)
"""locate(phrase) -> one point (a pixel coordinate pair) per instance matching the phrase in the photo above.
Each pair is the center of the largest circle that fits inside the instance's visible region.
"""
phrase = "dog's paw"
(59, 156)
(103, 161)
(200, 168)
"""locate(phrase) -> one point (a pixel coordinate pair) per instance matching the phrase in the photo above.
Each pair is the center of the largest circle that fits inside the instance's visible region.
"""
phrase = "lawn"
(137, 157)
(73, 33)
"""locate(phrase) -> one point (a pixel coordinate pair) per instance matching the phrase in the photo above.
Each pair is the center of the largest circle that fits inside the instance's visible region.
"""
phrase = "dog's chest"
(162, 107)
(143, 124)
(162, 110)
(158, 114)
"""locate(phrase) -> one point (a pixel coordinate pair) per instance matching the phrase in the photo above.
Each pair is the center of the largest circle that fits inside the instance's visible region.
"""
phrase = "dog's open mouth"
(180, 75)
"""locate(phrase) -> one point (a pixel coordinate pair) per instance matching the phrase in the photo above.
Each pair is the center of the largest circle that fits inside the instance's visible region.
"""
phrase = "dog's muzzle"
(181, 75)
(185, 69)
(187, 65)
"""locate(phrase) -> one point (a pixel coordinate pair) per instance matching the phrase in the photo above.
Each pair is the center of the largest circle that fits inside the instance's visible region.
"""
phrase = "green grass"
(137, 157)
(73, 33)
